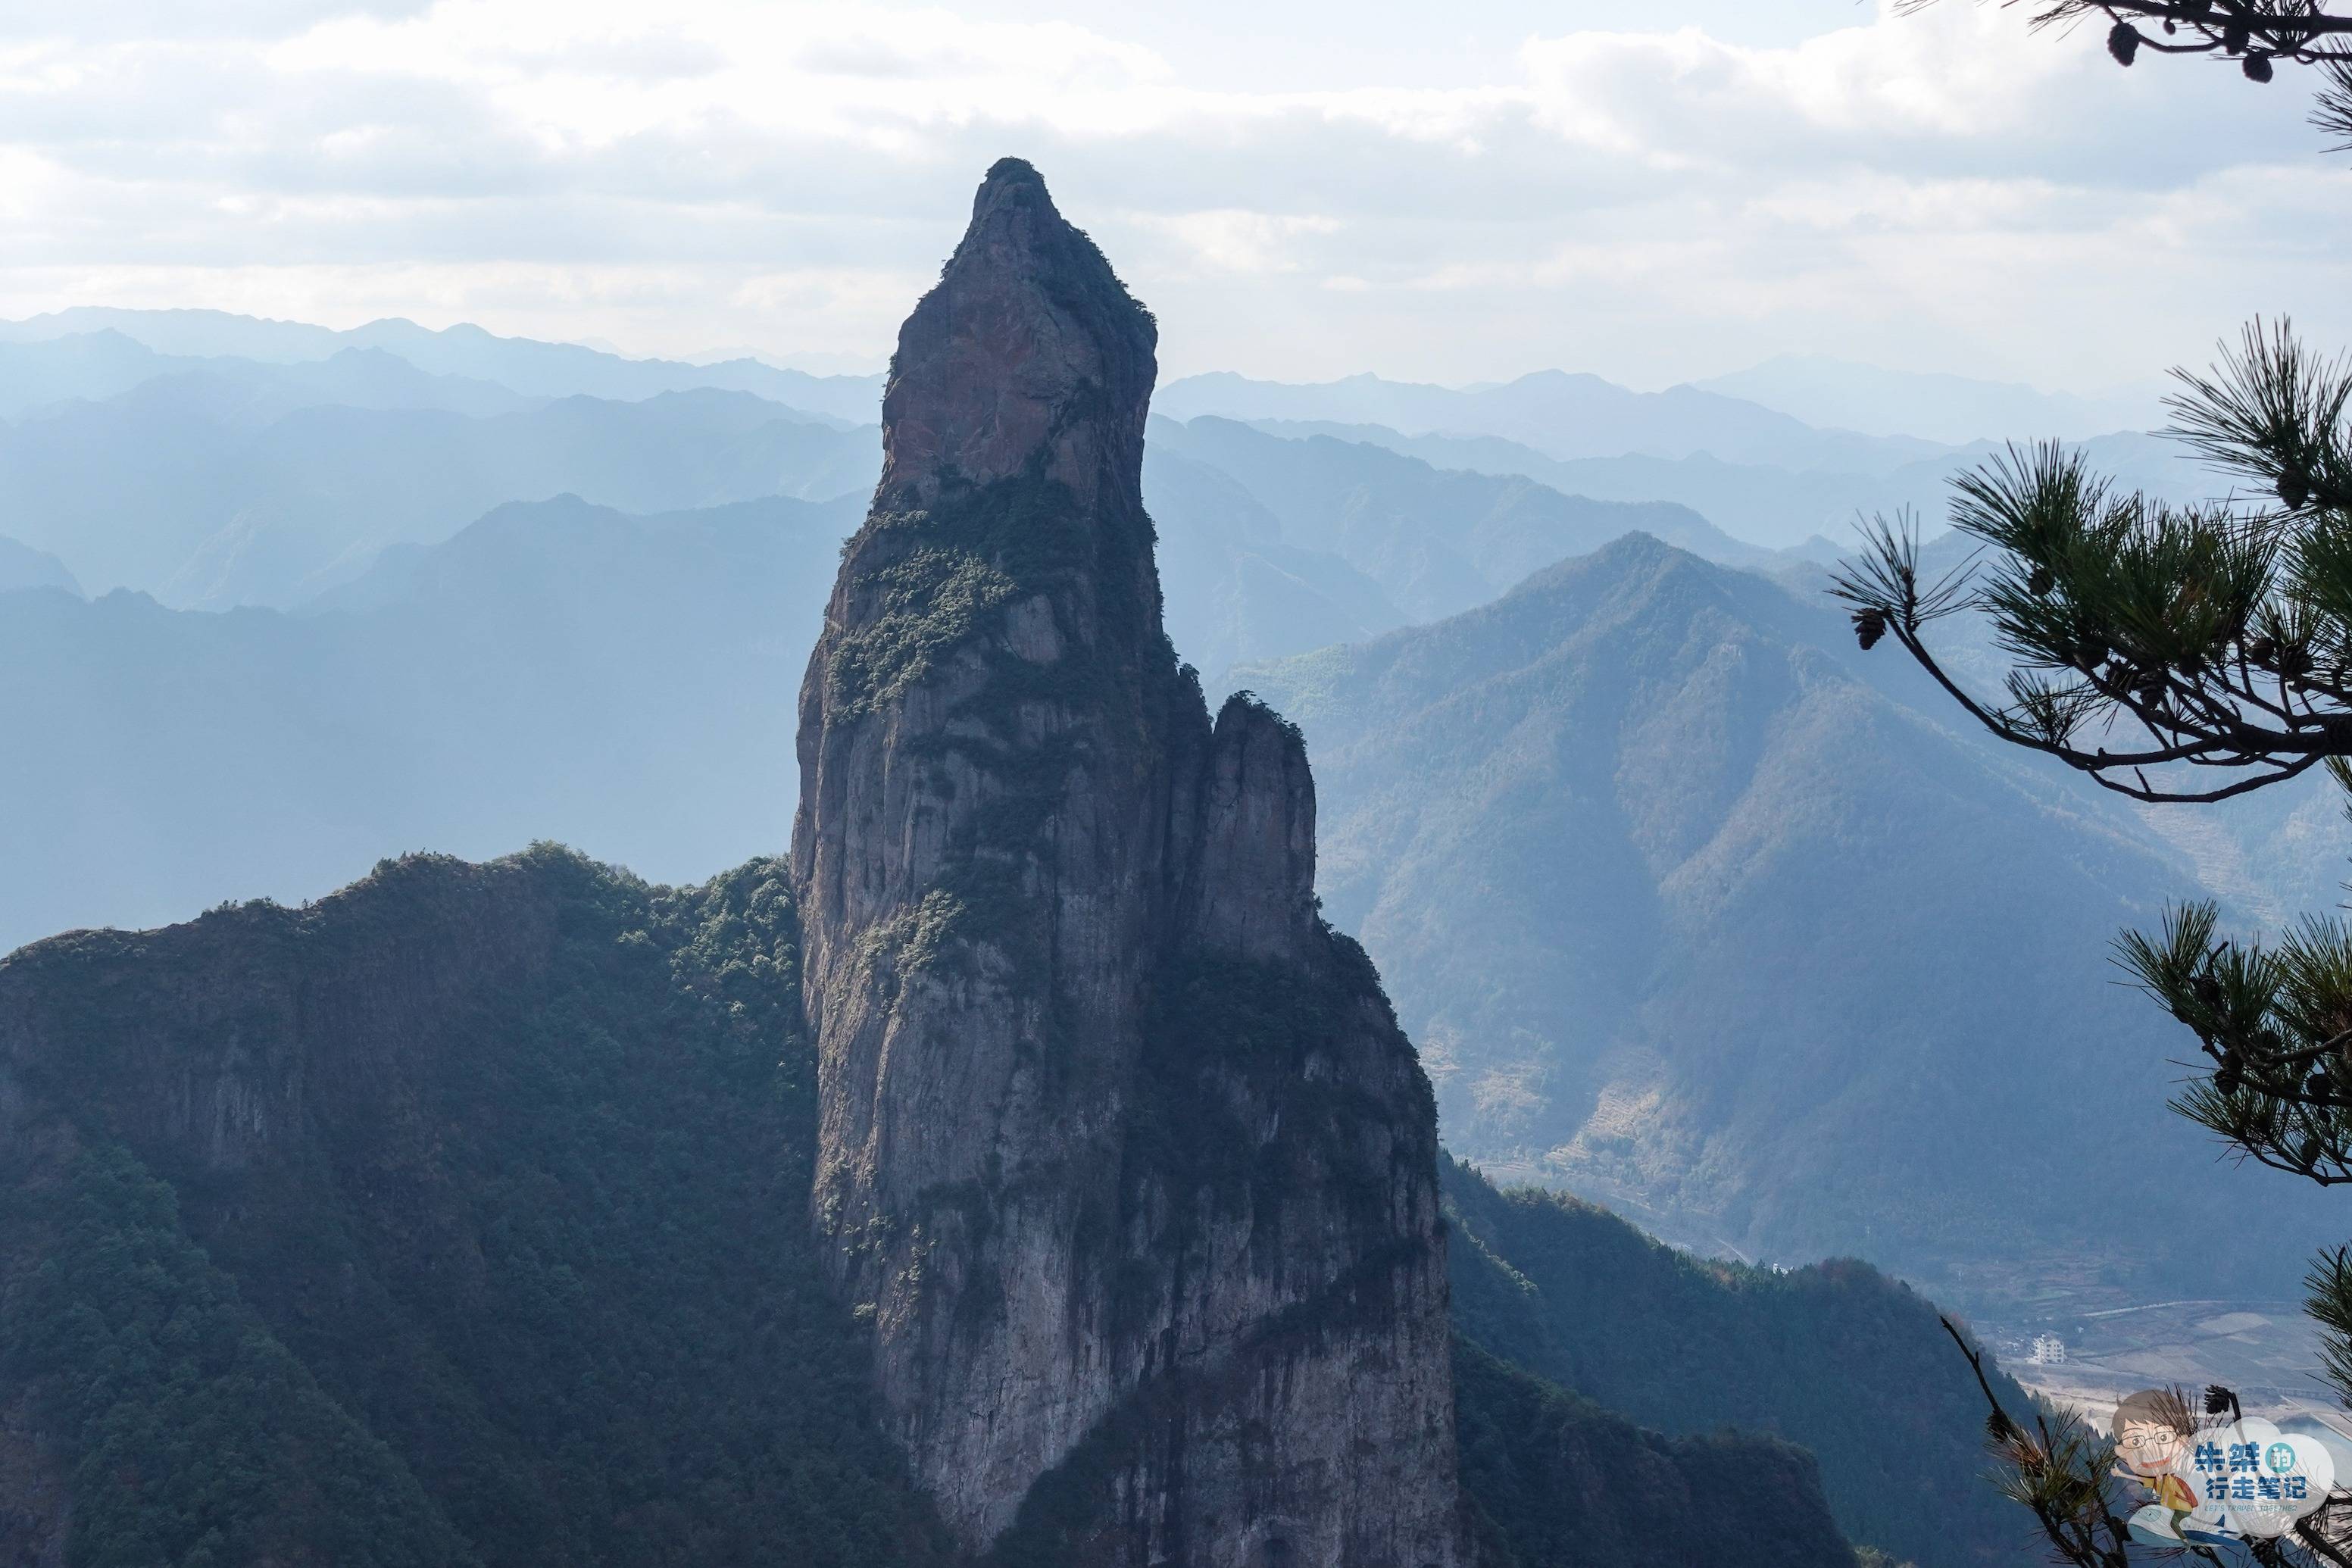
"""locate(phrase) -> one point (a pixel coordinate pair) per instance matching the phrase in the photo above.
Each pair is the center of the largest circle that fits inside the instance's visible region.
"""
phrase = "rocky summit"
(1123, 1160)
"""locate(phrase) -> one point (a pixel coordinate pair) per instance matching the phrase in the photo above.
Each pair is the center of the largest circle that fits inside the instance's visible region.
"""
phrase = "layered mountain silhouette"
(1698, 914)
(1436, 540)
(1760, 504)
(1557, 412)
(166, 489)
(520, 364)
(556, 670)
(1846, 395)
(1554, 820)
(622, 681)
(22, 566)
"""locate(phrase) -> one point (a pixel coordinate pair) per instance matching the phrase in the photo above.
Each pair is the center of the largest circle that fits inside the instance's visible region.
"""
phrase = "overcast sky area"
(1651, 191)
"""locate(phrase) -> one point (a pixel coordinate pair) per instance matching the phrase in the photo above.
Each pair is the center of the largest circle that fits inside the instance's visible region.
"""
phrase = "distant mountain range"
(147, 453)
(22, 566)
(1774, 508)
(41, 375)
(175, 489)
(625, 683)
(1844, 396)
(1590, 821)
(1437, 540)
(219, 482)
(1688, 906)
(1694, 910)
(556, 670)
(520, 364)
(1563, 416)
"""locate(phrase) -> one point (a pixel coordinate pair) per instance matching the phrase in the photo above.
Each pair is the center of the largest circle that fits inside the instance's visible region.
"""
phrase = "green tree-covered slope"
(462, 1218)
(1835, 1357)
(1638, 850)
(464, 1211)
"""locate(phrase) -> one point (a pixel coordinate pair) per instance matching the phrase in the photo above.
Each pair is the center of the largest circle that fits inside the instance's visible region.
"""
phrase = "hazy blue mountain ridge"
(1766, 506)
(523, 364)
(1846, 395)
(1690, 909)
(243, 482)
(38, 375)
(168, 490)
(1234, 588)
(22, 566)
(1558, 413)
(629, 683)
(1436, 540)
(557, 669)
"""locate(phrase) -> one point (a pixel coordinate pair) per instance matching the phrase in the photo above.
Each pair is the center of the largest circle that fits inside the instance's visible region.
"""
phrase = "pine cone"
(1869, 626)
(2041, 582)
(2261, 650)
(2294, 489)
(2257, 67)
(2122, 42)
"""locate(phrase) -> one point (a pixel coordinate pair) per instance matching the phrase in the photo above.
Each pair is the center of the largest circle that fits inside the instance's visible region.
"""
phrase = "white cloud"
(1231, 240)
(1947, 190)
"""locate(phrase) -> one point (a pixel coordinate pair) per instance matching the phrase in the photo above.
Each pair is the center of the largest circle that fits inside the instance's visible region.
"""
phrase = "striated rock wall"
(1121, 1151)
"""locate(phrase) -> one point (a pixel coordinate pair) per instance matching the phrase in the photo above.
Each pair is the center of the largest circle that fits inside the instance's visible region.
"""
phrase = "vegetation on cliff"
(532, 1286)
(280, 1355)
(1835, 1357)
(1555, 1481)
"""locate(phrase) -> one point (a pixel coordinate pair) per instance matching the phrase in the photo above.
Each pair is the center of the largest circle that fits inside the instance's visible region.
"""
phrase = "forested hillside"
(1688, 913)
(1835, 1357)
(459, 1219)
(462, 1218)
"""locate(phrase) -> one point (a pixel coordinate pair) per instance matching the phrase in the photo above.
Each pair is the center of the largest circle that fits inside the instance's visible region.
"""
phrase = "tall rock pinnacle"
(1122, 1155)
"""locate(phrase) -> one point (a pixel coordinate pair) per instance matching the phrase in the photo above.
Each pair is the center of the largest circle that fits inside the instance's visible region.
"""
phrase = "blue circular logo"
(2280, 1458)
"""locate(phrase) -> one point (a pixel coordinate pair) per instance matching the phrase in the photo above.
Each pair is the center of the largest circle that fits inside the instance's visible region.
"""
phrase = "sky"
(1652, 192)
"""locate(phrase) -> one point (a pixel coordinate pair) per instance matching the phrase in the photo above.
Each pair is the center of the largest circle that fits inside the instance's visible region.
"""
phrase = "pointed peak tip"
(1011, 185)
(1027, 346)
(1013, 171)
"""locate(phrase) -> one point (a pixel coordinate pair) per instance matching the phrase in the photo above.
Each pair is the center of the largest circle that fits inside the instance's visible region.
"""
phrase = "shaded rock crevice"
(1123, 1157)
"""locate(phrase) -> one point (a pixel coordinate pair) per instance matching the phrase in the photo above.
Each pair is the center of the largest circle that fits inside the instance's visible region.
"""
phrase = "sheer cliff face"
(1122, 1155)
